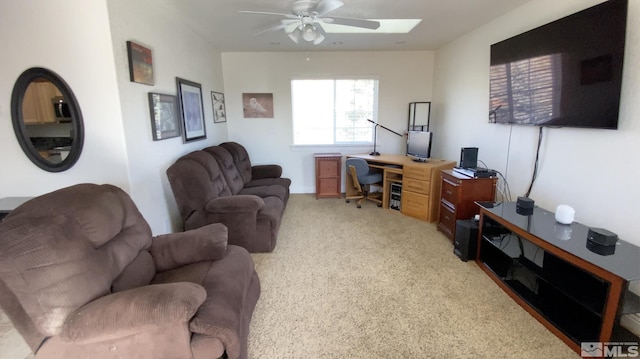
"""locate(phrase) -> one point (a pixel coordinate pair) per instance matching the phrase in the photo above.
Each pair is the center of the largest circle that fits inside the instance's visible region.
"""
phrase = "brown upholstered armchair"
(82, 277)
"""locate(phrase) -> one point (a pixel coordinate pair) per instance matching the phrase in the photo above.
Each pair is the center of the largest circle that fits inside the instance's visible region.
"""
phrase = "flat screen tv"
(419, 145)
(565, 73)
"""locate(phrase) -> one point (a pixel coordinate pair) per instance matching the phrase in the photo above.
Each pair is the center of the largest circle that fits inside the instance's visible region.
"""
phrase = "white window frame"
(334, 128)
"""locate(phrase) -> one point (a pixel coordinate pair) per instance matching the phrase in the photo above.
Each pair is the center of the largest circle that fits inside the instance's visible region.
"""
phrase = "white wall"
(594, 171)
(51, 34)
(177, 52)
(404, 77)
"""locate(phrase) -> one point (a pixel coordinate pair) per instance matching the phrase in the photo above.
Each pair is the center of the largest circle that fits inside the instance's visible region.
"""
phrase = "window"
(334, 111)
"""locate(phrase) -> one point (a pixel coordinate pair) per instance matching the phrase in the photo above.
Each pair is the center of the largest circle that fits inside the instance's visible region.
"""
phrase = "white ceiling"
(442, 21)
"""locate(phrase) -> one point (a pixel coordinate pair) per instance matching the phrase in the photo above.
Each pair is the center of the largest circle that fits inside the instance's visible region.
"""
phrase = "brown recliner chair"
(82, 277)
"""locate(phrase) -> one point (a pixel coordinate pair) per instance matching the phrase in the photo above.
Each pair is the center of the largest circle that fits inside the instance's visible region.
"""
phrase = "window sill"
(356, 148)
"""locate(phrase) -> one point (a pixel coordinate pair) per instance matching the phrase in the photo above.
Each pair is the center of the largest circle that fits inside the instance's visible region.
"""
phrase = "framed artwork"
(164, 116)
(191, 110)
(257, 105)
(140, 63)
(219, 111)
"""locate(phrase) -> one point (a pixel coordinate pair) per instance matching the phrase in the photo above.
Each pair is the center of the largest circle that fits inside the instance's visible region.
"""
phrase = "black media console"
(576, 290)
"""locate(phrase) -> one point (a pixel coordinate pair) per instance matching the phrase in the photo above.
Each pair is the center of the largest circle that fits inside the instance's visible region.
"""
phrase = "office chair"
(362, 178)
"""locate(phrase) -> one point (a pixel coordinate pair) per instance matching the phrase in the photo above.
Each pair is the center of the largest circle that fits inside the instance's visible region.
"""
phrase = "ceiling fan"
(307, 17)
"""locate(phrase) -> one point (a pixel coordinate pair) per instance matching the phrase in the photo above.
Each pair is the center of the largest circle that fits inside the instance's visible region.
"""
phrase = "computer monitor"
(419, 145)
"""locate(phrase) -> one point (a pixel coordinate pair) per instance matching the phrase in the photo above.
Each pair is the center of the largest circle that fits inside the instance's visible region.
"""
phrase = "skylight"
(387, 26)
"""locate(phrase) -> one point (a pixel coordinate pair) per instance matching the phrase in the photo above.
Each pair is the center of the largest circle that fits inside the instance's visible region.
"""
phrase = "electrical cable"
(535, 166)
(506, 192)
(506, 167)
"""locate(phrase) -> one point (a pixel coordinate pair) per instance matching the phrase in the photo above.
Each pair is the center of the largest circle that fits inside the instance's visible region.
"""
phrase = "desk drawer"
(450, 190)
(447, 220)
(415, 185)
(415, 204)
(416, 171)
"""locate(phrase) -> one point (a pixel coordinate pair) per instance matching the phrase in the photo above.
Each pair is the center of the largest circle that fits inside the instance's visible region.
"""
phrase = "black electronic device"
(600, 249)
(419, 145)
(468, 157)
(524, 206)
(565, 73)
(485, 173)
(395, 199)
(602, 236)
(465, 243)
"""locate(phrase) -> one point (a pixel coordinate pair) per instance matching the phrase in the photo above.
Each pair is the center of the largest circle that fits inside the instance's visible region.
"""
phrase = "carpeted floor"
(370, 283)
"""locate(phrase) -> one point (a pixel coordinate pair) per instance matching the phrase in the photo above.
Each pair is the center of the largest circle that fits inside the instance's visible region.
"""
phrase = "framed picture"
(140, 63)
(191, 110)
(219, 111)
(164, 116)
(257, 105)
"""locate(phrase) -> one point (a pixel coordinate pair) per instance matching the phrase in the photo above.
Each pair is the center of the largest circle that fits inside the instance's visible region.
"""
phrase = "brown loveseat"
(82, 277)
(219, 185)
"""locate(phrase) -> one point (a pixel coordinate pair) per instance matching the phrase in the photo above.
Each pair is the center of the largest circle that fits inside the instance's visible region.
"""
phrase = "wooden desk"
(420, 183)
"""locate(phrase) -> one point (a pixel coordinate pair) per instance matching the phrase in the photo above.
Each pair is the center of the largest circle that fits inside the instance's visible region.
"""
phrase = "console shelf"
(550, 271)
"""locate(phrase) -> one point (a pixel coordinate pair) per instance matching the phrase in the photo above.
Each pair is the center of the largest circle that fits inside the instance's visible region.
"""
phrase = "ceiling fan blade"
(291, 27)
(367, 24)
(290, 16)
(284, 24)
(327, 6)
(272, 28)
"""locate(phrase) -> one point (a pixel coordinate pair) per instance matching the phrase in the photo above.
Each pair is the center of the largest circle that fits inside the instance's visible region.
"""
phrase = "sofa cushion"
(196, 179)
(240, 158)
(284, 182)
(266, 191)
(193, 273)
(138, 273)
(228, 168)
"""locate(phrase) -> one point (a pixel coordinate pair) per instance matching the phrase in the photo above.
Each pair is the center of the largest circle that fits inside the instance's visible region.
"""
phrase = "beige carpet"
(370, 283)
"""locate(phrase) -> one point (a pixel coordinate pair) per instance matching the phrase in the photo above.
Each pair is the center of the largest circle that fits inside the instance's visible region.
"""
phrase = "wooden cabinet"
(37, 106)
(457, 197)
(328, 175)
(420, 188)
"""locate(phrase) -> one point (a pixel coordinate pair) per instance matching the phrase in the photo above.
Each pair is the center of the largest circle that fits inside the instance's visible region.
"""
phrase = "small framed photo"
(191, 110)
(219, 111)
(140, 63)
(257, 105)
(164, 116)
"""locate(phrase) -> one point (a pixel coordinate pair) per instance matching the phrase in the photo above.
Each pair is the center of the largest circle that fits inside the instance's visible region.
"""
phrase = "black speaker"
(465, 243)
(469, 157)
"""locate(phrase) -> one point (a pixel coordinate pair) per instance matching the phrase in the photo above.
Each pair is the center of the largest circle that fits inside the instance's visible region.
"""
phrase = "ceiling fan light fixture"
(295, 35)
(319, 38)
(309, 32)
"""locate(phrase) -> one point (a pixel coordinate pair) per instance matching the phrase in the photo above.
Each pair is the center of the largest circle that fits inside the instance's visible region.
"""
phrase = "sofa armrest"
(174, 250)
(235, 204)
(266, 171)
(132, 311)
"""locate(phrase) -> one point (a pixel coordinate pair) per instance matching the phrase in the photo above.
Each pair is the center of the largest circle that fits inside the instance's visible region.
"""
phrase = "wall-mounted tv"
(567, 73)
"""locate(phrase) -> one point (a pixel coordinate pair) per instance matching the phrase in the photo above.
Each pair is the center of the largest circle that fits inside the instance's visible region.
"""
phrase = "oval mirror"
(47, 120)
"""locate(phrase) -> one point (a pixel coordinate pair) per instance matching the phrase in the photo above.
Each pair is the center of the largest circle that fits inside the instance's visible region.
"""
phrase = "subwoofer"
(465, 244)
